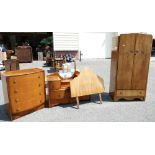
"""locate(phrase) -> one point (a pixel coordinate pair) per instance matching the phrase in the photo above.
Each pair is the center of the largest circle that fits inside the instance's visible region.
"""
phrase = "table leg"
(100, 96)
(77, 100)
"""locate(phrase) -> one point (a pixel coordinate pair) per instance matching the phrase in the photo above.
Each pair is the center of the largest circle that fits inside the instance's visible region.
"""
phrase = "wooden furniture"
(87, 83)
(9, 53)
(24, 53)
(58, 63)
(129, 67)
(11, 65)
(24, 91)
(59, 90)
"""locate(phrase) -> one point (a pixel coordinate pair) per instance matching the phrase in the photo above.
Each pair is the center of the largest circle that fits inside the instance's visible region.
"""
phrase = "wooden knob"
(18, 109)
(15, 91)
(14, 81)
(17, 100)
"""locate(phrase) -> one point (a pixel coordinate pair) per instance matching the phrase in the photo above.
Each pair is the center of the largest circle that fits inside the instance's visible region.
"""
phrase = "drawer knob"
(17, 100)
(14, 81)
(18, 109)
(39, 85)
(38, 77)
(15, 91)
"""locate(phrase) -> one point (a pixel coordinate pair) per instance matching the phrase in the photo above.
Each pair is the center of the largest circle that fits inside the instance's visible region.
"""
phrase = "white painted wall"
(91, 44)
(95, 44)
(108, 43)
(66, 41)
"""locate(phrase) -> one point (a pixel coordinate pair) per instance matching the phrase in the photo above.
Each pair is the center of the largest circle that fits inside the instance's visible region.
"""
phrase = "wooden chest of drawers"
(24, 91)
(24, 53)
(59, 90)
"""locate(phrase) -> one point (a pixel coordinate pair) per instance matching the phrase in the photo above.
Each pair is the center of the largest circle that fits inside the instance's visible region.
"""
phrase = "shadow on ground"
(3, 113)
(94, 99)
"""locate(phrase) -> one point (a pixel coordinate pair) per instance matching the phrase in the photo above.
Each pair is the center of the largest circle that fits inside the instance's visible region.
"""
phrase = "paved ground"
(93, 111)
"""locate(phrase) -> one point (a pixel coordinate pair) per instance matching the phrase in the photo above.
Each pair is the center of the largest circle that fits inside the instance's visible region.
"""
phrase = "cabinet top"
(22, 72)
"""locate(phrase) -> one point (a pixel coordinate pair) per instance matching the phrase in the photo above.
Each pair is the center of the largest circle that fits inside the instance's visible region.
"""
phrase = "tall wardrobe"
(129, 66)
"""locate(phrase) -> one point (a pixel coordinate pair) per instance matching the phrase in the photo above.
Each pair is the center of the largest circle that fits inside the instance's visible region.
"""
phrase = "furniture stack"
(24, 53)
(129, 66)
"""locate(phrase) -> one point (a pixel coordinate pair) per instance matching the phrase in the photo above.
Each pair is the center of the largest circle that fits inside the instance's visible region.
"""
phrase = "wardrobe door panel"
(142, 54)
(125, 61)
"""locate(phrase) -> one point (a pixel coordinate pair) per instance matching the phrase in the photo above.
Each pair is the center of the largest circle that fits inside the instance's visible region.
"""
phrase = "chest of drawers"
(24, 91)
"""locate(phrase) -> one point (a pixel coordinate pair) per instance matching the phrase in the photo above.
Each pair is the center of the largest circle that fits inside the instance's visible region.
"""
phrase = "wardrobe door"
(142, 54)
(125, 61)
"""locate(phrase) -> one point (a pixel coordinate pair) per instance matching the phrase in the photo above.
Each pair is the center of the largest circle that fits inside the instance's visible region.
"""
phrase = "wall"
(96, 44)
(66, 41)
(91, 44)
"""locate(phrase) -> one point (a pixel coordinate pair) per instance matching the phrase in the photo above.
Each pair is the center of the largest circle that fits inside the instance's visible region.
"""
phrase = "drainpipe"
(80, 55)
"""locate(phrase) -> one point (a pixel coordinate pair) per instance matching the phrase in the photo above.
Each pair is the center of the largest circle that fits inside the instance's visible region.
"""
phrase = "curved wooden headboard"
(86, 83)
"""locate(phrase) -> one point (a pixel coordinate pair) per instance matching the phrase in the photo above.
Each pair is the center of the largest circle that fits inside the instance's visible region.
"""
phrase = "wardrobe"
(129, 66)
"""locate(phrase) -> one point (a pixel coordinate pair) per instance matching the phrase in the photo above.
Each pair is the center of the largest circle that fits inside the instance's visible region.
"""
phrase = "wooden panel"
(86, 83)
(125, 61)
(126, 93)
(141, 61)
(59, 94)
(113, 71)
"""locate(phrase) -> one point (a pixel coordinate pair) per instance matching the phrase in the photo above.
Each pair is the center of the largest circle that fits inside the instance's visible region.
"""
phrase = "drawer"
(59, 94)
(54, 85)
(130, 93)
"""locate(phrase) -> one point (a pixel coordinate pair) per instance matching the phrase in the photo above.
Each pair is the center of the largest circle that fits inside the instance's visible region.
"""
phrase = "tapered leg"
(77, 100)
(100, 96)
